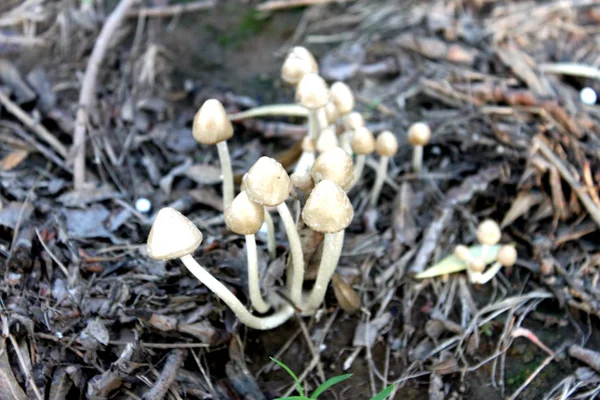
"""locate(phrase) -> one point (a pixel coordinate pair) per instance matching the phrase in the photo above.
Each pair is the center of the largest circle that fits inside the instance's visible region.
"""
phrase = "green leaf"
(329, 383)
(292, 374)
(384, 393)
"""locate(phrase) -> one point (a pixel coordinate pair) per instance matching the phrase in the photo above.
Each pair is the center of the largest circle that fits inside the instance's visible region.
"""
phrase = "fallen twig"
(590, 357)
(171, 10)
(283, 4)
(167, 376)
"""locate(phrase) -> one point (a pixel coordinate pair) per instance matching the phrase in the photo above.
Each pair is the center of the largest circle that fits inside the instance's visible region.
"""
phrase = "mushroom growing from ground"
(506, 257)
(488, 234)
(245, 217)
(419, 134)
(342, 97)
(334, 165)
(267, 183)
(307, 158)
(312, 93)
(363, 144)
(211, 126)
(174, 236)
(386, 146)
(327, 140)
(327, 210)
(298, 63)
(351, 123)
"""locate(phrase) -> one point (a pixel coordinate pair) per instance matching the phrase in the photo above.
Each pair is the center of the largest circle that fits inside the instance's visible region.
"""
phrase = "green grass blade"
(384, 393)
(329, 383)
(292, 374)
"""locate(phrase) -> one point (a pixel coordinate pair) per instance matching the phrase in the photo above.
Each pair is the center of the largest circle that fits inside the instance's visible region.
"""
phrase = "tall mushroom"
(363, 144)
(334, 165)
(245, 217)
(312, 93)
(298, 63)
(267, 183)
(386, 146)
(174, 236)
(488, 234)
(327, 210)
(419, 134)
(351, 122)
(211, 126)
(343, 98)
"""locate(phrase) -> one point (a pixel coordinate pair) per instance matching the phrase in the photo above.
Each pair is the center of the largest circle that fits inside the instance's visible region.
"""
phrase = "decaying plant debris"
(85, 313)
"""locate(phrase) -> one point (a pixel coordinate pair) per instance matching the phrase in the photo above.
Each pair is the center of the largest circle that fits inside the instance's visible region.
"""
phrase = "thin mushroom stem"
(314, 130)
(227, 172)
(283, 110)
(345, 140)
(379, 179)
(359, 167)
(256, 298)
(270, 234)
(260, 323)
(488, 274)
(297, 276)
(417, 159)
(332, 249)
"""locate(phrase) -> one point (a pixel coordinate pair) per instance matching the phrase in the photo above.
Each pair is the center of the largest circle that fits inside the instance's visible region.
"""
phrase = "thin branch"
(169, 11)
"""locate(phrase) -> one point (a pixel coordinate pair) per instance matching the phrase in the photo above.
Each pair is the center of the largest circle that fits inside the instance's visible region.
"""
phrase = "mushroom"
(307, 158)
(174, 236)
(331, 113)
(312, 93)
(298, 63)
(363, 144)
(488, 234)
(303, 182)
(327, 210)
(506, 257)
(211, 126)
(267, 183)
(342, 97)
(386, 146)
(419, 134)
(327, 139)
(268, 222)
(334, 165)
(245, 217)
(351, 122)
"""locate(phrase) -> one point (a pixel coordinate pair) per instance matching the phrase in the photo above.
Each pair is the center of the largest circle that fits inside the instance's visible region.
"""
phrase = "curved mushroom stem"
(345, 140)
(417, 159)
(261, 323)
(227, 173)
(314, 130)
(486, 276)
(297, 276)
(305, 162)
(270, 234)
(332, 249)
(380, 178)
(358, 168)
(254, 277)
(283, 110)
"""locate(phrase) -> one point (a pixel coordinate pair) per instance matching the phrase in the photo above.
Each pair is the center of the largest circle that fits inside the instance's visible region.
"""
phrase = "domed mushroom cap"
(328, 209)
(507, 255)
(363, 141)
(462, 252)
(172, 236)
(334, 165)
(331, 112)
(387, 144)
(488, 232)
(327, 140)
(353, 121)
(267, 182)
(244, 216)
(302, 180)
(342, 97)
(298, 63)
(419, 134)
(477, 265)
(211, 124)
(312, 92)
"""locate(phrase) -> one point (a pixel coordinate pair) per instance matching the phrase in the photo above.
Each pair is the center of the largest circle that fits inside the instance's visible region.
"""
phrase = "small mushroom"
(327, 210)
(334, 165)
(268, 222)
(386, 146)
(342, 97)
(267, 183)
(303, 182)
(298, 63)
(506, 257)
(327, 140)
(331, 113)
(211, 126)
(488, 234)
(307, 158)
(419, 134)
(351, 122)
(312, 93)
(245, 217)
(363, 144)
(174, 236)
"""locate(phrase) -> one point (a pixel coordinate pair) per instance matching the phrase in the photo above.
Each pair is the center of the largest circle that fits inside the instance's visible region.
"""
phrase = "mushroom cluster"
(327, 169)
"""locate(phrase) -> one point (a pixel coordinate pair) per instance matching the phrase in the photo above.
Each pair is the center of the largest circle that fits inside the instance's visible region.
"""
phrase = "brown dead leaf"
(521, 205)
(204, 174)
(405, 228)
(13, 159)
(347, 297)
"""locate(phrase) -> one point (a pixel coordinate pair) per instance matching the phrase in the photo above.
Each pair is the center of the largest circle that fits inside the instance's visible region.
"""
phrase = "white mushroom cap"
(386, 144)
(244, 216)
(328, 209)
(342, 97)
(312, 92)
(507, 255)
(327, 140)
(463, 253)
(172, 236)
(334, 165)
(267, 182)
(331, 112)
(488, 232)
(302, 181)
(298, 63)
(363, 141)
(353, 121)
(419, 134)
(477, 265)
(211, 124)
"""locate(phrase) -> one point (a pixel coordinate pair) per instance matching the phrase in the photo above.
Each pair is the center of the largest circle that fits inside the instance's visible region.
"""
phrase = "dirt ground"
(85, 313)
